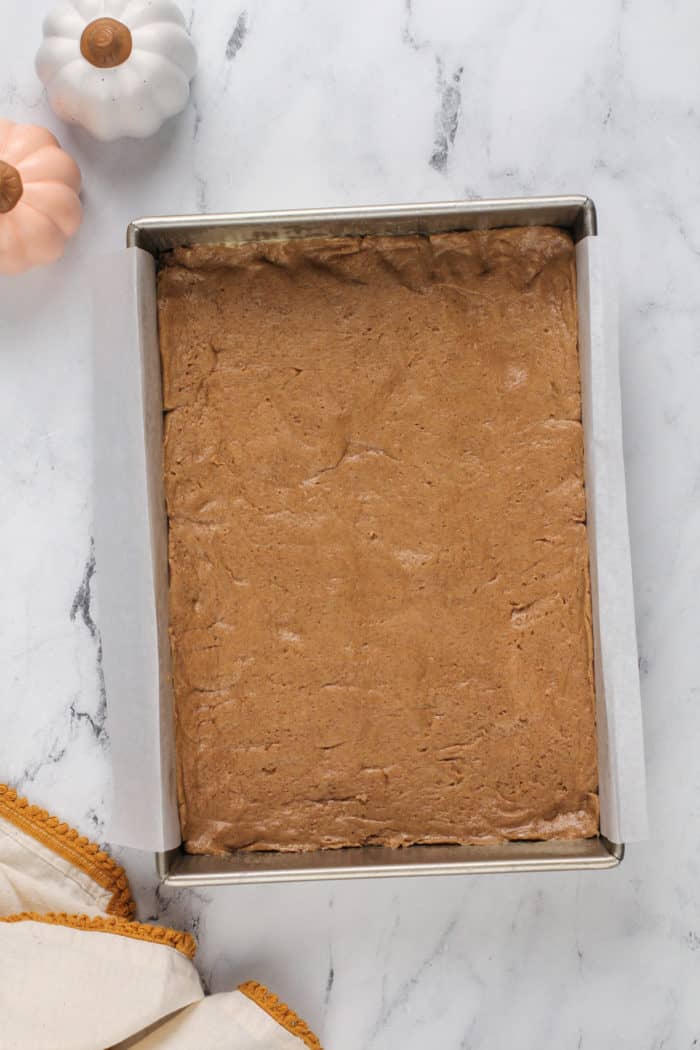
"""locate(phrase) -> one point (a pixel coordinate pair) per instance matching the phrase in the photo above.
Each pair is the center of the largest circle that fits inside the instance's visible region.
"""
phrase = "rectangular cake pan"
(156, 235)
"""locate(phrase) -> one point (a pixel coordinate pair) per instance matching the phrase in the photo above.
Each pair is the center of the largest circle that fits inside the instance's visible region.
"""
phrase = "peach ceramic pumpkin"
(39, 203)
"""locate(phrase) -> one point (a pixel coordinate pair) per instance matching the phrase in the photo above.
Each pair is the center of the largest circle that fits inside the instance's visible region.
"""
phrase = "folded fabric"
(77, 972)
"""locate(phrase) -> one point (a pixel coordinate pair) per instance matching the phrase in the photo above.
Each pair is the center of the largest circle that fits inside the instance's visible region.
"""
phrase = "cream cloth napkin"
(77, 973)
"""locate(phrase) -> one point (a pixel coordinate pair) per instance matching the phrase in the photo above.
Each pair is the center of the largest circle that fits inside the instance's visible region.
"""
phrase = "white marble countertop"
(317, 102)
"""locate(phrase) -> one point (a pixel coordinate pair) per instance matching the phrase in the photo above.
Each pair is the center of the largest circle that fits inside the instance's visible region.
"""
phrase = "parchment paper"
(622, 781)
(131, 552)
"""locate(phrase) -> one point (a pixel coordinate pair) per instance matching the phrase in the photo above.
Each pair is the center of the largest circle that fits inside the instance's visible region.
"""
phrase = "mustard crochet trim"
(73, 847)
(138, 931)
(280, 1012)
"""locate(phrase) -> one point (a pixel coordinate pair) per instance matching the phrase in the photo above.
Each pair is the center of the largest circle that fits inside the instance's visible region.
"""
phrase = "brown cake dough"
(379, 591)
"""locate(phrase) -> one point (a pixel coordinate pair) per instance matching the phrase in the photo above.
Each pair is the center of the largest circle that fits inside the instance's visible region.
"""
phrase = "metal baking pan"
(155, 235)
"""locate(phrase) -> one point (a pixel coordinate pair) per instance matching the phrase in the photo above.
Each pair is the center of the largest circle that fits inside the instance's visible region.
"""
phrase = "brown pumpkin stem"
(11, 188)
(106, 43)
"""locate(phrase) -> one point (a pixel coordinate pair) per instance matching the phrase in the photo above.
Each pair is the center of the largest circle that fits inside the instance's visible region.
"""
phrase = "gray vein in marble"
(330, 980)
(163, 902)
(236, 40)
(407, 34)
(182, 908)
(82, 606)
(200, 192)
(449, 88)
(95, 723)
(83, 598)
(466, 1042)
(97, 824)
(577, 935)
(11, 95)
(196, 109)
(448, 117)
(53, 756)
(405, 989)
(234, 43)
(680, 224)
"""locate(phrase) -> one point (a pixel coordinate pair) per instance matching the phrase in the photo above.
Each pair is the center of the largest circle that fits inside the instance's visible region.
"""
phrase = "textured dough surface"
(379, 593)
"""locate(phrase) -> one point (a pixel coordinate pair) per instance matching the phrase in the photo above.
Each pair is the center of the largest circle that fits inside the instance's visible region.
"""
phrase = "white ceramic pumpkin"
(39, 203)
(118, 67)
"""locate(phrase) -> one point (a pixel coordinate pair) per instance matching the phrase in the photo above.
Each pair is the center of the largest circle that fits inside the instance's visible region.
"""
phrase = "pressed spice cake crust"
(379, 594)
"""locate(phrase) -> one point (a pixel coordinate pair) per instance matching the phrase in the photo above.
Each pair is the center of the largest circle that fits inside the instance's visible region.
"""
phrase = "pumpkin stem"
(106, 43)
(11, 188)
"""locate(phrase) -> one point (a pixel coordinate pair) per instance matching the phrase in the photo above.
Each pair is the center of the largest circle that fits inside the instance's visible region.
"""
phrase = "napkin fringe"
(72, 846)
(139, 931)
(280, 1012)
